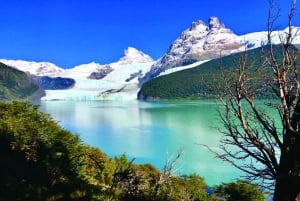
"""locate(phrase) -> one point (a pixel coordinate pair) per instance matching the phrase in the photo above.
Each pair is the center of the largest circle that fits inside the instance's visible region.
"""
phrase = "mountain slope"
(16, 85)
(196, 82)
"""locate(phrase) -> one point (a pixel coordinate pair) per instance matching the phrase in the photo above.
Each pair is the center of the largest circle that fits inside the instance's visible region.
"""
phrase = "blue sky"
(73, 32)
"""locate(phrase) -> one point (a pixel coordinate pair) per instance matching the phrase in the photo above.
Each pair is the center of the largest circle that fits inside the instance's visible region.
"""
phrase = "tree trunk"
(287, 187)
(286, 190)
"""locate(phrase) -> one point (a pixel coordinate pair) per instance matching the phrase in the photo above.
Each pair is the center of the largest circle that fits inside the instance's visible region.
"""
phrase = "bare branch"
(268, 147)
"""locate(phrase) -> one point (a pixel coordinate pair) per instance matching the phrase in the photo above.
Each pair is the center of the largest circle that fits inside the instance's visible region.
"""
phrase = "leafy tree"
(269, 149)
(41, 161)
(240, 190)
(188, 187)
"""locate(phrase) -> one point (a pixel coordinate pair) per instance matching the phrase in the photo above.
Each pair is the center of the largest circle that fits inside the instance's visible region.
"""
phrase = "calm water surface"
(150, 132)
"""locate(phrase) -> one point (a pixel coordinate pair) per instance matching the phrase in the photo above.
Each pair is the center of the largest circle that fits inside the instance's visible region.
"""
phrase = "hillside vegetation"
(201, 81)
(15, 84)
(42, 161)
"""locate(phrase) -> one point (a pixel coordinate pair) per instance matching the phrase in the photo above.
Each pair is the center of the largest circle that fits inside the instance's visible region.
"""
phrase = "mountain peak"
(195, 25)
(132, 55)
(131, 50)
(197, 43)
(200, 42)
(215, 23)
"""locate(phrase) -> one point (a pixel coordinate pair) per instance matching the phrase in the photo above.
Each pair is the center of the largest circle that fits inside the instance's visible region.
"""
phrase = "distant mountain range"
(121, 80)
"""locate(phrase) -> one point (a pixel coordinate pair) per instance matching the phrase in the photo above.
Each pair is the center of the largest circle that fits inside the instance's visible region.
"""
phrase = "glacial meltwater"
(150, 132)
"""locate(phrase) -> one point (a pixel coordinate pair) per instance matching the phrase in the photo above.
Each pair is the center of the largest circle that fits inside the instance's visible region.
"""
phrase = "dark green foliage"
(183, 85)
(15, 84)
(187, 187)
(200, 82)
(42, 161)
(240, 190)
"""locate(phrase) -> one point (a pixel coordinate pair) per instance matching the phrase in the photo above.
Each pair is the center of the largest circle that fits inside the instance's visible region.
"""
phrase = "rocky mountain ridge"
(197, 43)
(203, 41)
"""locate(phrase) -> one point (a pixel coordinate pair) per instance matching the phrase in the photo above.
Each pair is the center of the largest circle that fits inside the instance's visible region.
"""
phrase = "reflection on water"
(149, 132)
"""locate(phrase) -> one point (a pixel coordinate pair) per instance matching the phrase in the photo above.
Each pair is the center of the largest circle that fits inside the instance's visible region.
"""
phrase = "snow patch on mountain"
(83, 70)
(258, 39)
(180, 68)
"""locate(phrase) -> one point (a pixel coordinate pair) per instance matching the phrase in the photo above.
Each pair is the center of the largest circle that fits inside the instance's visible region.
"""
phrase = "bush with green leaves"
(241, 190)
(42, 161)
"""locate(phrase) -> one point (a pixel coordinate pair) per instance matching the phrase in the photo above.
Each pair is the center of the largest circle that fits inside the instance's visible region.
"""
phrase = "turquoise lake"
(150, 132)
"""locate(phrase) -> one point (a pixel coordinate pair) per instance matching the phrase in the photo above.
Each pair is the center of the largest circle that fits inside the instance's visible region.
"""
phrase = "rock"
(100, 73)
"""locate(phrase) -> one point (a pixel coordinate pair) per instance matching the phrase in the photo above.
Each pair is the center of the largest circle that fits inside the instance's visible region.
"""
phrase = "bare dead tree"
(167, 171)
(254, 141)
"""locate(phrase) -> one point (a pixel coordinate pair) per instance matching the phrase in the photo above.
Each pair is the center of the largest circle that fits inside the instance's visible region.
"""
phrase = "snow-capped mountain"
(197, 43)
(120, 80)
(204, 42)
(34, 68)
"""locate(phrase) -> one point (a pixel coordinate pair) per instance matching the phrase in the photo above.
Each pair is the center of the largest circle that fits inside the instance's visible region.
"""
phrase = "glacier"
(111, 87)
(119, 84)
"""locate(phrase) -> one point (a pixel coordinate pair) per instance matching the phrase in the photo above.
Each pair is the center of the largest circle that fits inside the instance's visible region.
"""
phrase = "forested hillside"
(16, 85)
(201, 81)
